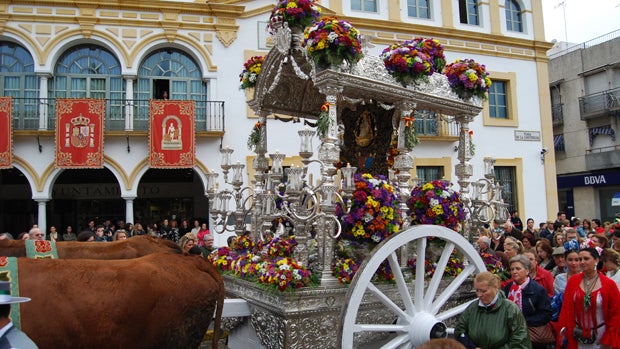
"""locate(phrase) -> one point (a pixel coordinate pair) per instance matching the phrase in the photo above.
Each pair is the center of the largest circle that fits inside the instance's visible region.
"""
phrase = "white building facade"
(129, 53)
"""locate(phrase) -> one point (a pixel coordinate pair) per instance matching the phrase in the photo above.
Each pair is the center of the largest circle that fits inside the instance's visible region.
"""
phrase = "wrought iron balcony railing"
(28, 112)
(606, 103)
(430, 124)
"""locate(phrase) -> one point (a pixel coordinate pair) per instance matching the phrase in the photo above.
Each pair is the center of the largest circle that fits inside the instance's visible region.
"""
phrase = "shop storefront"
(590, 195)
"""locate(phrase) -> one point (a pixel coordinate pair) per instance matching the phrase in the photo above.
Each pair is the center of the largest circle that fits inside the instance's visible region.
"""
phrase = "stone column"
(43, 100)
(129, 103)
(129, 208)
(42, 214)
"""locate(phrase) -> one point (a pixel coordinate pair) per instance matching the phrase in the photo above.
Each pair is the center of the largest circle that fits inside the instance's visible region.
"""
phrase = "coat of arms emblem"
(80, 132)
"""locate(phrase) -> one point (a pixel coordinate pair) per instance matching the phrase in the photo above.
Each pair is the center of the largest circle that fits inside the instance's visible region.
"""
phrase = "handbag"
(542, 334)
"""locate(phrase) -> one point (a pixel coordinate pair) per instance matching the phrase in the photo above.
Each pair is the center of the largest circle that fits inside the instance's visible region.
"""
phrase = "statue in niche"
(365, 129)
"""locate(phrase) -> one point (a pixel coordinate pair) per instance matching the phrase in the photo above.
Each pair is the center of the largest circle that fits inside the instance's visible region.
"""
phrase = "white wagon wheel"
(422, 317)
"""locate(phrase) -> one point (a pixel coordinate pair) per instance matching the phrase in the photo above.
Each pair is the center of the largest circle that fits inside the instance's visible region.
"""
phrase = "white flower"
(434, 202)
(297, 276)
(332, 36)
(375, 238)
(444, 194)
(285, 267)
(368, 217)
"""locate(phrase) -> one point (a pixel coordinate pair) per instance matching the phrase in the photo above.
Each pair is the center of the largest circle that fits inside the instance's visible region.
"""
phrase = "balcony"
(557, 114)
(433, 126)
(602, 158)
(27, 114)
(606, 103)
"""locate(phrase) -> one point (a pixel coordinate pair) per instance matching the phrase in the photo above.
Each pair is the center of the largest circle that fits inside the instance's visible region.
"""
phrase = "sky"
(585, 19)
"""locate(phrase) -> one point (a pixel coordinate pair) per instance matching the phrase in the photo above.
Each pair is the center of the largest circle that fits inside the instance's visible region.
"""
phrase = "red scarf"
(515, 293)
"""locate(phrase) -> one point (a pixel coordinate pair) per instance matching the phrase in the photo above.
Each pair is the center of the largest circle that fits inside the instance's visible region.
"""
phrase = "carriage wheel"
(421, 316)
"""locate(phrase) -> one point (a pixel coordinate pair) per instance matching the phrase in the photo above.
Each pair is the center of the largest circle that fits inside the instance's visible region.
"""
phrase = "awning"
(558, 142)
(603, 130)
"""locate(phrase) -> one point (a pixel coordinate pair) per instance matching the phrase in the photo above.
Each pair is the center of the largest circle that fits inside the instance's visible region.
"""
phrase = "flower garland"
(411, 140)
(251, 70)
(222, 259)
(413, 61)
(297, 13)
(254, 137)
(436, 203)
(374, 213)
(322, 125)
(281, 247)
(243, 244)
(330, 41)
(472, 147)
(493, 263)
(468, 78)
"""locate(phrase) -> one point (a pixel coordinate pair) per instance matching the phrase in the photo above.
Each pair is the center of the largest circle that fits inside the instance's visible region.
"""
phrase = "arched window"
(468, 12)
(514, 20)
(88, 71)
(177, 75)
(19, 81)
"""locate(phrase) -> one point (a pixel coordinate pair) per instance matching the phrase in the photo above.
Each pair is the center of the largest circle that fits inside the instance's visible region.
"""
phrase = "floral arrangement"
(322, 125)
(330, 41)
(454, 267)
(281, 247)
(493, 263)
(222, 259)
(284, 273)
(393, 152)
(297, 13)
(243, 244)
(413, 60)
(254, 136)
(429, 267)
(410, 138)
(384, 273)
(468, 78)
(374, 213)
(436, 203)
(251, 70)
(246, 266)
(344, 269)
(434, 49)
(472, 147)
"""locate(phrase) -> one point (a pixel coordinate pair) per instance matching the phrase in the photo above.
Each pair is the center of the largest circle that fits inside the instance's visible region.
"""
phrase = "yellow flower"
(437, 209)
(291, 4)
(428, 186)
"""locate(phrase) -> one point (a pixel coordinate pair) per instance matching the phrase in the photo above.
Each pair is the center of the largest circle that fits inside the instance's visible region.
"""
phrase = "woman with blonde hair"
(187, 241)
(492, 321)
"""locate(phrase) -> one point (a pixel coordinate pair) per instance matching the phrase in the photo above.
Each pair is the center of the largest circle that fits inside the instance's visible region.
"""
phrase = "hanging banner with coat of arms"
(6, 132)
(171, 134)
(79, 133)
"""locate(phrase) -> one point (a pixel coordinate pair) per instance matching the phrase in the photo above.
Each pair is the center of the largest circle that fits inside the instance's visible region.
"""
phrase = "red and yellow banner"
(79, 133)
(6, 132)
(171, 134)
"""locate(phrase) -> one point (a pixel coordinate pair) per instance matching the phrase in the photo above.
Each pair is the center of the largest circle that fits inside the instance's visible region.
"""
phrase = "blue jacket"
(536, 306)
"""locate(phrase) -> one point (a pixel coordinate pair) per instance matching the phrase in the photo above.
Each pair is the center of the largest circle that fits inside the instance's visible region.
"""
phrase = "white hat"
(5, 294)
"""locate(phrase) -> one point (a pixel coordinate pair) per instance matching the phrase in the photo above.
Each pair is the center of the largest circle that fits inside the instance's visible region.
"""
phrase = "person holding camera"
(590, 315)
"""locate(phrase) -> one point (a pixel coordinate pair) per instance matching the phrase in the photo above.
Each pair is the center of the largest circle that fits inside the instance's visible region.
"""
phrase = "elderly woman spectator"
(541, 276)
(611, 263)
(531, 297)
(492, 321)
(590, 316)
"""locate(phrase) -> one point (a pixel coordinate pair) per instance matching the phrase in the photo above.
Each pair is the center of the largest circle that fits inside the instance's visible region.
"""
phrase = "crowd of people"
(196, 235)
(560, 287)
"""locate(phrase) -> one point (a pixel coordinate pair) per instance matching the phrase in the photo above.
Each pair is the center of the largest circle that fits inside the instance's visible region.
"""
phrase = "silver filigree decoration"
(282, 38)
(300, 74)
(269, 328)
(276, 79)
(386, 106)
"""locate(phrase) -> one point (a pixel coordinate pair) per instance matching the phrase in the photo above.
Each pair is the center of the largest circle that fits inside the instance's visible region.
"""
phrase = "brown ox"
(157, 301)
(123, 249)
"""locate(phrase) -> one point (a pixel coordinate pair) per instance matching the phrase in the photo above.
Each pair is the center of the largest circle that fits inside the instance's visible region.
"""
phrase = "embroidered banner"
(6, 132)
(8, 272)
(41, 249)
(79, 133)
(171, 134)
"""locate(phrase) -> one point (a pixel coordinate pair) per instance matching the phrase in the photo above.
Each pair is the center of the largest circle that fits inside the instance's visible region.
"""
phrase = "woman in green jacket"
(493, 322)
